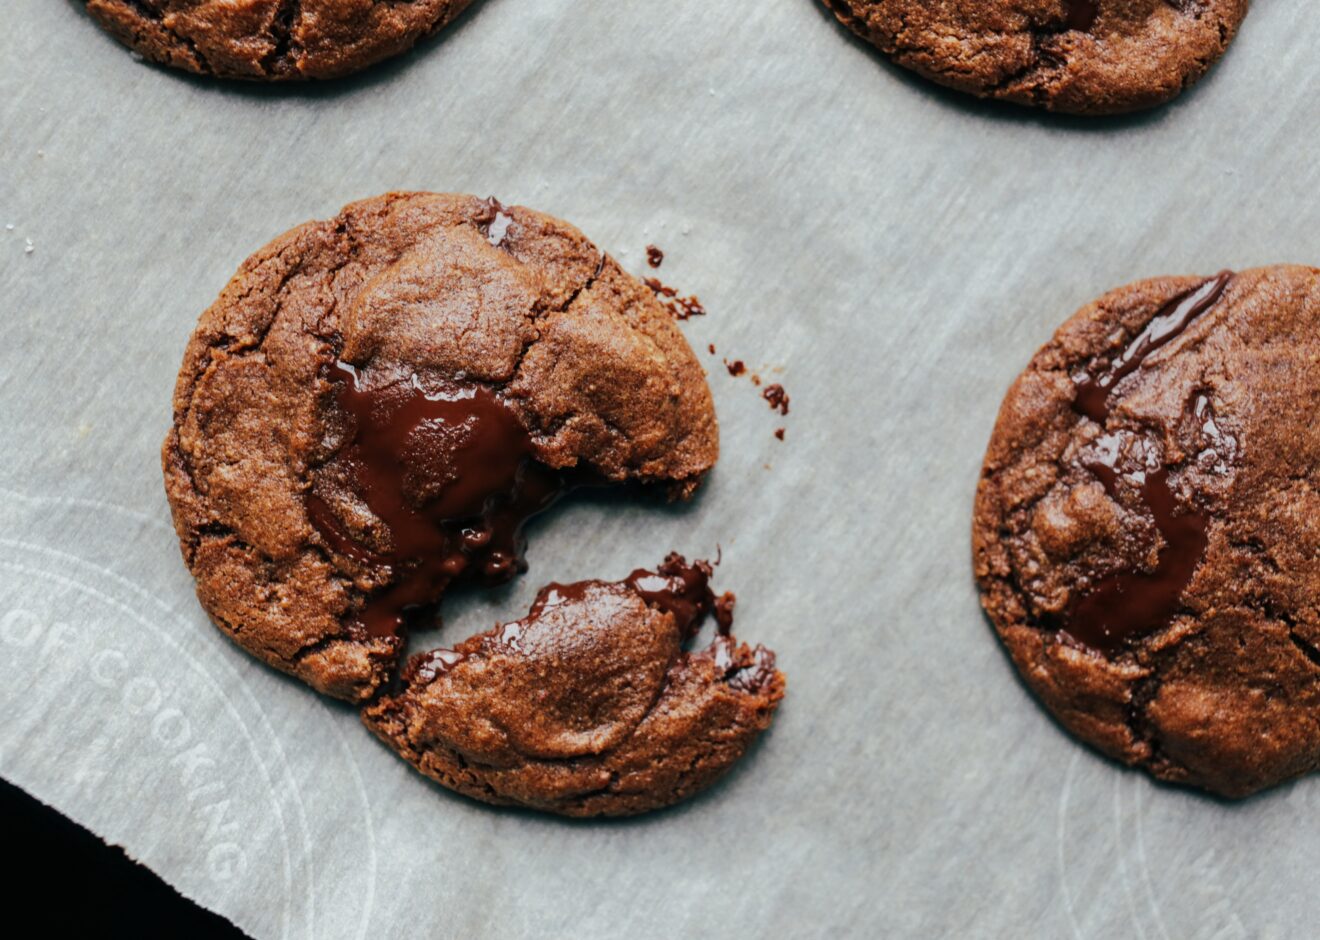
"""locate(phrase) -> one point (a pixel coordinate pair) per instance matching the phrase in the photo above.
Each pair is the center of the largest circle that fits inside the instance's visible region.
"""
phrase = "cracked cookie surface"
(1074, 56)
(493, 331)
(1146, 536)
(588, 706)
(272, 40)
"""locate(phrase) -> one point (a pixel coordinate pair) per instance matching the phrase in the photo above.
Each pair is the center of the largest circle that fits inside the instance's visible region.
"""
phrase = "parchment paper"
(893, 251)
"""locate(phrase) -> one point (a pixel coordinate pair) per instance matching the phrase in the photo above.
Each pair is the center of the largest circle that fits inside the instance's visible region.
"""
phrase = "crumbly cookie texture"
(1075, 56)
(1147, 527)
(589, 706)
(272, 40)
(441, 291)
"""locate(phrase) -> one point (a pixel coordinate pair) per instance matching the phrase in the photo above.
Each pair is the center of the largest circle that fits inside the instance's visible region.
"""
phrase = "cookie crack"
(244, 347)
(284, 44)
(542, 312)
(1136, 715)
(1270, 611)
(219, 531)
(1308, 650)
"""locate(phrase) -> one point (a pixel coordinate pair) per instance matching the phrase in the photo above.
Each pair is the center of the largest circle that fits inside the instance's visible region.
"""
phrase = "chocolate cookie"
(588, 706)
(1147, 527)
(1076, 56)
(376, 404)
(272, 40)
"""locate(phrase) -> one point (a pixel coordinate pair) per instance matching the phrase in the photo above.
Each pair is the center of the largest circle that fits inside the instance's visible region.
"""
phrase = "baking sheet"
(894, 251)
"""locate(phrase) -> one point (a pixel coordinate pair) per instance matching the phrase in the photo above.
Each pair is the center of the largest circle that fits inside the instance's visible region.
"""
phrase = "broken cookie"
(376, 404)
(588, 706)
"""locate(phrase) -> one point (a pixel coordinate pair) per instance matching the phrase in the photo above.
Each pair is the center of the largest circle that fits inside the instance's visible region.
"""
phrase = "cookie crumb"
(710, 346)
(736, 368)
(777, 397)
(680, 308)
(779, 433)
(691, 307)
(654, 256)
(723, 610)
(659, 289)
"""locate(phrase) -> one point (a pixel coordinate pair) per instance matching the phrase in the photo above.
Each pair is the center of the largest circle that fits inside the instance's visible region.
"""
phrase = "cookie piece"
(272, 40)
(1147, 527)
(376, 404)
(1074, 56)
(588, 706)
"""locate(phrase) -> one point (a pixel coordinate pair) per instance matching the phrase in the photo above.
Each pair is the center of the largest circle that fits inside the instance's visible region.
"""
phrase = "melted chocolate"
(654, 256)
(1129, 604)
(676, 587)
(1093, 390)
(1080, 14)
(449, 472)
(430, 666)
(682, 590)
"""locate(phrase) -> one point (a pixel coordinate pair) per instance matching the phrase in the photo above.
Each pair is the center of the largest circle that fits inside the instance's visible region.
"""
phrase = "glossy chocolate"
(1127, 605)
(676, 587)
(430, 666)
(683, 590)
(1094, 389)
(449, 471)
(1080, 14)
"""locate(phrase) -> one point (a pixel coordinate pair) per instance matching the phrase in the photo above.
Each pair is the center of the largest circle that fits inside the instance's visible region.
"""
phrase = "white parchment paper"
(897, 252)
